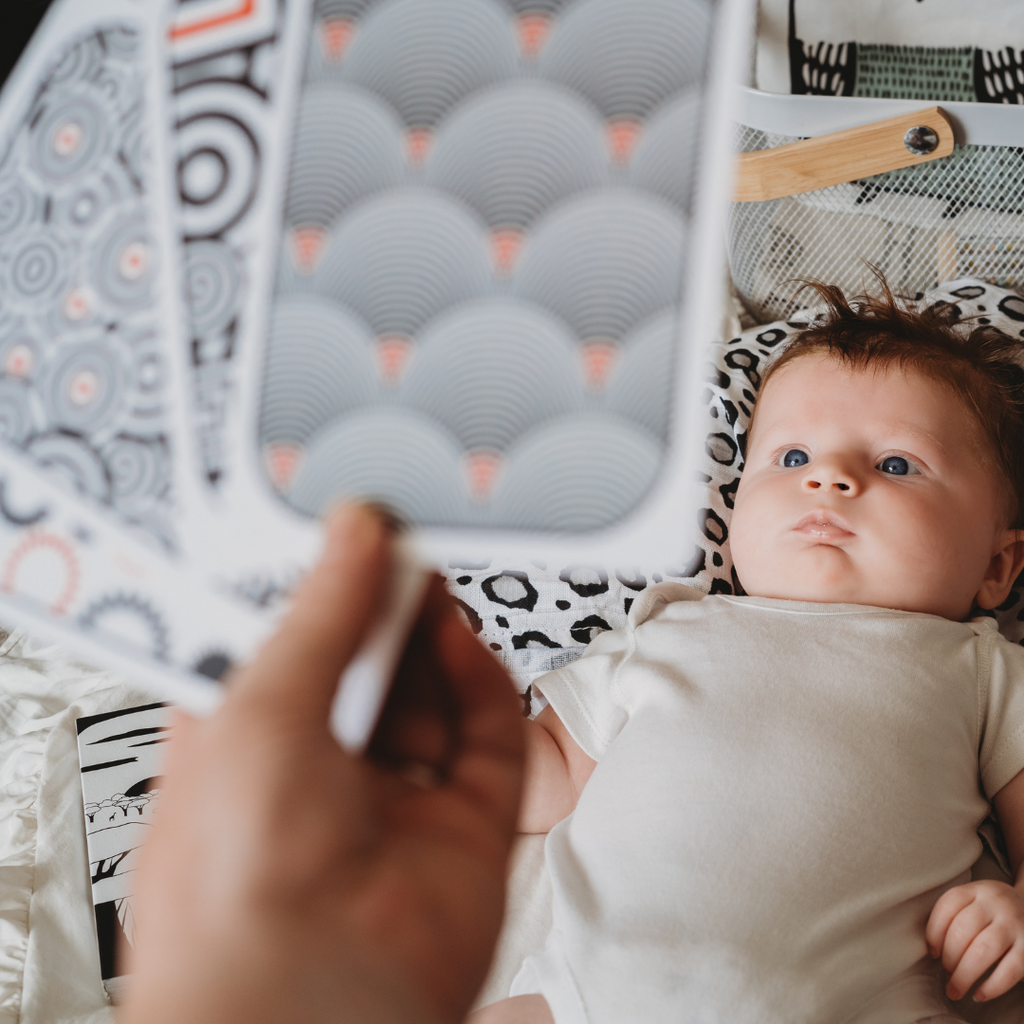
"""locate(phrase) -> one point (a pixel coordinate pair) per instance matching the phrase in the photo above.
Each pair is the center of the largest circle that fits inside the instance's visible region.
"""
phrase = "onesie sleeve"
(1001, 746)
(584, 696)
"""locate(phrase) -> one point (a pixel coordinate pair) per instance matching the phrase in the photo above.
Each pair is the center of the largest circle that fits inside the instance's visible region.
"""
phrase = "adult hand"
(288, 881)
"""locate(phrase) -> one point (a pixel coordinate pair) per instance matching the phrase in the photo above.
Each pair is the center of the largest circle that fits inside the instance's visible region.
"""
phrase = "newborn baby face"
(867, 486)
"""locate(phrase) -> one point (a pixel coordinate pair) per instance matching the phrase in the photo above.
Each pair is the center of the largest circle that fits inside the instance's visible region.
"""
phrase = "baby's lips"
(824, 523)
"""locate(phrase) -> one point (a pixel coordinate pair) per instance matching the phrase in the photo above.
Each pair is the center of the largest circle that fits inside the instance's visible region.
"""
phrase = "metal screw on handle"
(921, 140)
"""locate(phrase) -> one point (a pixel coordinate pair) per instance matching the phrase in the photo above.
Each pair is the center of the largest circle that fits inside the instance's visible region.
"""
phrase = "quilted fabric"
(538, 617)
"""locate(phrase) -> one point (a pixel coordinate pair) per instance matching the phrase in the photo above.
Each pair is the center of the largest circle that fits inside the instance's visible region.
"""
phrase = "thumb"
(298, 669)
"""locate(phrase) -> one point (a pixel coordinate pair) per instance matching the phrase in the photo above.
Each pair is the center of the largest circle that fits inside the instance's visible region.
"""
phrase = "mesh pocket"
(959, 216)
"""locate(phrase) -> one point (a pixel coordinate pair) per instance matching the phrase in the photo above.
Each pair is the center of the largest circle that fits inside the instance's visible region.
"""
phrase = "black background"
(15, 30)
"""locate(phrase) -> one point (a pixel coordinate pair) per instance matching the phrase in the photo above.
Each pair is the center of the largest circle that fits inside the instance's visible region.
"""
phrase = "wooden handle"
(842, 156)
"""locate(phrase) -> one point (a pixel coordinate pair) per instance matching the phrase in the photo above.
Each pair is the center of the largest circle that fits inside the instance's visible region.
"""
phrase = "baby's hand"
(974, 926)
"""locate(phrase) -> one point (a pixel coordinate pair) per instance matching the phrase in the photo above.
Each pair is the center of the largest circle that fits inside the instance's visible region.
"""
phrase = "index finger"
(949, 904)
(298, 669)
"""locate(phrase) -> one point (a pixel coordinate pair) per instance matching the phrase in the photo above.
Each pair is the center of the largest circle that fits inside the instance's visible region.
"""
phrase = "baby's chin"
(822, 575)
(821, 581)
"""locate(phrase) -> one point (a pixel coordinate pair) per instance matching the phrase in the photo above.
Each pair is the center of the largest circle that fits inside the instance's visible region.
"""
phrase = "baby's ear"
(1004, 567)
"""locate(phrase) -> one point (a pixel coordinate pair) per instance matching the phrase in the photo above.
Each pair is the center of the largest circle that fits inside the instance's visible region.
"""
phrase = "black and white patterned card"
(121, 756)
(89, 284)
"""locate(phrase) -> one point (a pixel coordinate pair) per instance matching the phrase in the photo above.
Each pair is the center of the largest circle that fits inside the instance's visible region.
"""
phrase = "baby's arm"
(557, 769)
(977, 925)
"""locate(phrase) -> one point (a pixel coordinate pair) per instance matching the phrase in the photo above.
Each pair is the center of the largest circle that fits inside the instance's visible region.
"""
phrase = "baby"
(765, 808)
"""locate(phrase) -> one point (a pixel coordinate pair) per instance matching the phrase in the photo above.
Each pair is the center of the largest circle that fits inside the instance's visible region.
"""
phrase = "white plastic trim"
(979, 124)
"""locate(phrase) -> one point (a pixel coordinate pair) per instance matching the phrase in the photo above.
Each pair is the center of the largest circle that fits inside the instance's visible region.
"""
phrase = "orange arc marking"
(482, 469)
(393, 353)
(282, 464)
(417, 144)
(598, 359)
(506, 244)
(243, 10)
(622, 136)
(335, 37)
(534, 30)
(30, 543)
(307, 244)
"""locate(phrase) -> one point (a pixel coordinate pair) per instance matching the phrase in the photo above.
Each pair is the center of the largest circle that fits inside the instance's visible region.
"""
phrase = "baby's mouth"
(824, 525)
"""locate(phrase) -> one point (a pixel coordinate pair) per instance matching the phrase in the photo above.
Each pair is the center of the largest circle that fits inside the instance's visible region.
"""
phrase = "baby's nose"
(829, 477)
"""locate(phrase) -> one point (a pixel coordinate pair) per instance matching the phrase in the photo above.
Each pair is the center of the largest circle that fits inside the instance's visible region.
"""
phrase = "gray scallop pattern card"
(473, 311)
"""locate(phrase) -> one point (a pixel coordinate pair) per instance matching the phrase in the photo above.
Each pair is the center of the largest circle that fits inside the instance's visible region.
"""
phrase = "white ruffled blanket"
(49, 964)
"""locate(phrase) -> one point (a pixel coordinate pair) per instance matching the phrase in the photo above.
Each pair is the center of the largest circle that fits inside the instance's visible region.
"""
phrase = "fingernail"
(349, 524)
(979, 998)
(390, 517)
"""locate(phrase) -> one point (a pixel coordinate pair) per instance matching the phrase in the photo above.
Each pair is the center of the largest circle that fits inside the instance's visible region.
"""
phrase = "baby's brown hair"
(977, 363)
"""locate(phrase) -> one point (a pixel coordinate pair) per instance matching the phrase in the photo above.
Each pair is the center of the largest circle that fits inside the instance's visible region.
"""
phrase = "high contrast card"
(120, 753)
(495, 266)
(89, 285)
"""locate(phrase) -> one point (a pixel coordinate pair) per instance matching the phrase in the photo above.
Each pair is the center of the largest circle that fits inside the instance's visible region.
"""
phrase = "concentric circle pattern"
(218, 171)
(82, 326)
(34, 264)
(627, 58)
(148, 381)
(640, 384)
(577, 473)
(389, 454)
(347, 145)
(18, 205)
(125, 264)
(317, 367)
(71, 457)
(604, 262)
(548, 7)
(84, 203)
(138, 467)
(481, 257)
(84, 386)
(81, 62)
(71, 134)
(423, 56)
(348, 9)
(212, 279)
(399, 259)
(492, 369)
(15, 412)
(516, 149)
(664, 159)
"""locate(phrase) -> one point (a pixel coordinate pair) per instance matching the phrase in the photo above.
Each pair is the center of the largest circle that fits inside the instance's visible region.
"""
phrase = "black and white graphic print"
(121, 757)
(869, 65)
(226, 86)
(71, 573)
(82, 265)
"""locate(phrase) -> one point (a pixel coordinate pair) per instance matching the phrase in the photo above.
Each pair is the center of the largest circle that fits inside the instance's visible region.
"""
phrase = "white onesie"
(783, 792)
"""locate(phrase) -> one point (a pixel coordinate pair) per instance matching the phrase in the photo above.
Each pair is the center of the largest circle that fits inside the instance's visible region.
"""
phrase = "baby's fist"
(974, 926)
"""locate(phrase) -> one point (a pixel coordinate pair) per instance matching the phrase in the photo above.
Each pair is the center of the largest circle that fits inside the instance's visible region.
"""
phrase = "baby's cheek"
(752, 552)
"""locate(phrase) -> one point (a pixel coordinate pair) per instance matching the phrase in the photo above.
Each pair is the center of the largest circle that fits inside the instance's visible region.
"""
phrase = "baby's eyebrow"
(919, 434)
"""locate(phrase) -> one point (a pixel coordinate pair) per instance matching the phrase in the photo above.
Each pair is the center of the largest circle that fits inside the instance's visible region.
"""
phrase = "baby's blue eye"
(894, 465)
(795, 457)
